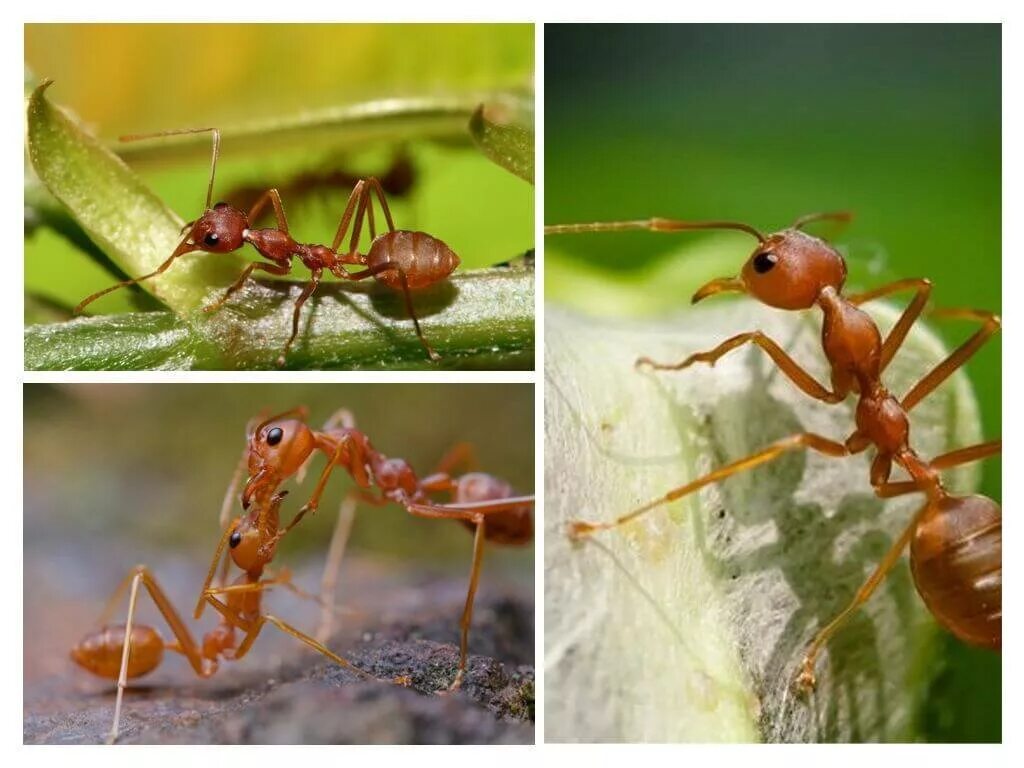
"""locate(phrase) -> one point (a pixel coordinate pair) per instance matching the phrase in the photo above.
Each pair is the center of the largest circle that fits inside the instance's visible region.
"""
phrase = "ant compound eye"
(763, 262)
(235, 540)
(274, 436)
(220, 205)
(211, 239)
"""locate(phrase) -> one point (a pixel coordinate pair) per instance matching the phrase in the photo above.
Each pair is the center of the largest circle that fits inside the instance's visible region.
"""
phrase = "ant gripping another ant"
(277, 449)
(402, 260)
(955, 541)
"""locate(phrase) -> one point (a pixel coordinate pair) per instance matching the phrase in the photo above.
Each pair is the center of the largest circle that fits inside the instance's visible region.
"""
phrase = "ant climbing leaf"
(703, 608)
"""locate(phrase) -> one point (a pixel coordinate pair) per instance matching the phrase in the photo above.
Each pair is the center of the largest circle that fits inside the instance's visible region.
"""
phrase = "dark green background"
(761, 123)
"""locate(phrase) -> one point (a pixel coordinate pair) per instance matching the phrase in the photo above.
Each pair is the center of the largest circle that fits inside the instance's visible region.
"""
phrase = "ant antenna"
(178, 132)
(653, 225)
(843, 217)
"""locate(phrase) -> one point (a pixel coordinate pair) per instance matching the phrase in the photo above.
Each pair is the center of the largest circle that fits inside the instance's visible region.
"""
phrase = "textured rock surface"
(304, 699)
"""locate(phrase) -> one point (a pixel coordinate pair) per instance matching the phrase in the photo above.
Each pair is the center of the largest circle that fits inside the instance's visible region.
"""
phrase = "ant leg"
(922, 288)
(335, 553)
(468, 511)
(945, 461)
(253, 629)
(274, 269)
(406, 292)
(786, 364)
(805, 440)
(990, 326)
(343, 418)
(122, 678)
(353, 200)
(201, 603)
(314, 281)
(183, 247)
(314, 499)
(460, 454)
(467, 612)
(275, 198)
(378, 190)
(316, 646)
(185, 643)
(806, 679)
(968, 454)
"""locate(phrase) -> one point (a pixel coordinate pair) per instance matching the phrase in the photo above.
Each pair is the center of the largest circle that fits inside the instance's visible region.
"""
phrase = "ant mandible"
(402, 260)
(955, 541)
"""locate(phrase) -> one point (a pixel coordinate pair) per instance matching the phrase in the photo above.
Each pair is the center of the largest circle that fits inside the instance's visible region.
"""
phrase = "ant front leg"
(253, 629)
(807, 440)
(273, 197)
(786, 364)
(274, 269)
(314, 282)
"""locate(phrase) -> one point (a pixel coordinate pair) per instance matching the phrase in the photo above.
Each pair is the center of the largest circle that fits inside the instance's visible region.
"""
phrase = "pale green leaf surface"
(688, 624)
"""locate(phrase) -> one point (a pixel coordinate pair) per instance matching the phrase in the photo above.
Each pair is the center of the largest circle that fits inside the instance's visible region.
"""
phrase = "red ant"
(400, 259)
(277, 449)
(955, 541)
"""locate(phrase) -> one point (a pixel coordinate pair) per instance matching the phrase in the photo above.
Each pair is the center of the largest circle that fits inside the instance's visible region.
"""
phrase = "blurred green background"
(124, 78)
(149, 463)
(898, 123)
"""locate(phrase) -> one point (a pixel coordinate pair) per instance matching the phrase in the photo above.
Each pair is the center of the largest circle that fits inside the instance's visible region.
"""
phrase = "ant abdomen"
(422, 257)
(956, 559)
(100, 652)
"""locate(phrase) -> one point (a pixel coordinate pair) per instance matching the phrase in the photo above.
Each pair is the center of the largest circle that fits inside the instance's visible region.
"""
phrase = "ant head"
(277, 450)
(790, 269)
(244, 543)
(787, 270)
(219, 230)
(252, 547)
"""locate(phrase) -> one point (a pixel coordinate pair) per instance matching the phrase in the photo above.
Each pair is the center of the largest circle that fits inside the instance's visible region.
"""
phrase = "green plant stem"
(481, 319)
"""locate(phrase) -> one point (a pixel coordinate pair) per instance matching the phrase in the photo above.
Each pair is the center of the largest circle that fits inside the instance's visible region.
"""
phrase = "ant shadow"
(799, 558)
(270, 305)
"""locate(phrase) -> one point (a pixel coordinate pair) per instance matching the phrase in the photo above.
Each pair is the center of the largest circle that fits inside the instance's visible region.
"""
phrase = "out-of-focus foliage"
(148, 465)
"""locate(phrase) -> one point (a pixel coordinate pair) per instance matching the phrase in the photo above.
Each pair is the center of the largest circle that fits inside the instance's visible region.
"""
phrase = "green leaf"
(504, 133)
(386, 121)
(482, 318)
(112, 205)
(702, 609)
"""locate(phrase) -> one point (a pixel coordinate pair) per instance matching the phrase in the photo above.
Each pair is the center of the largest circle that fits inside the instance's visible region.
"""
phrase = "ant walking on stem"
(402, 260)
(955, 541)
(277, 449)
